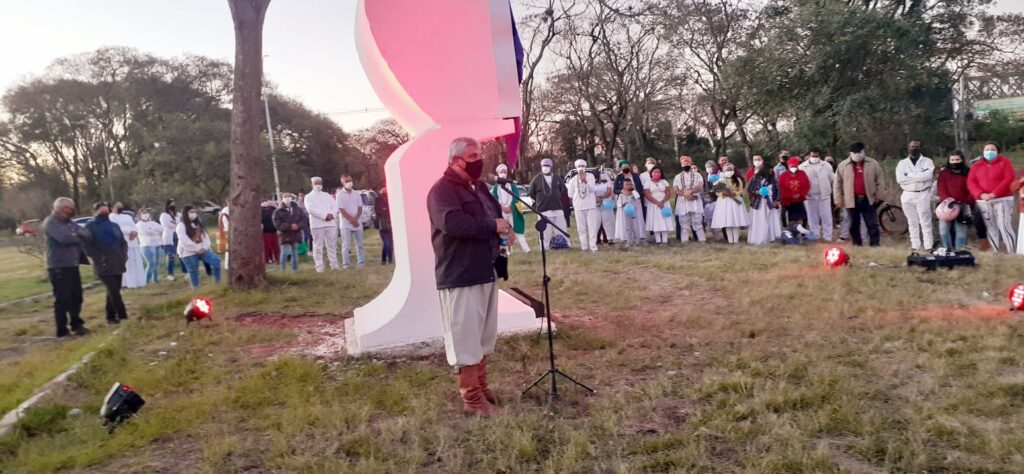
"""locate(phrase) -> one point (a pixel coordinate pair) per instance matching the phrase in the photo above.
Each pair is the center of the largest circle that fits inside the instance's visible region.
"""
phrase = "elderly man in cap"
(466, 227)
(546, 190)
(64, 253)
(689, 206)
(584, 202)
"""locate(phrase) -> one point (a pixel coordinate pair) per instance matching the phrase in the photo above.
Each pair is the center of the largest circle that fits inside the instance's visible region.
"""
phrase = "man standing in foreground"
(106, 246)
(321, 209)
(858, 190)
(64, 253)
(465, 225)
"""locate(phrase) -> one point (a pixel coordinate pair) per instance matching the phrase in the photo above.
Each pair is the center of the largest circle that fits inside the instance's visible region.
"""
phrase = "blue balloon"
(666, 211)
(630, 210)
(608, 203)
(713, 179)
(764, 191)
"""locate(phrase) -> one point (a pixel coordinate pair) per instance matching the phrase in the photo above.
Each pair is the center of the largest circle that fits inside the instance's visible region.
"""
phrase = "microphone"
(504, 181)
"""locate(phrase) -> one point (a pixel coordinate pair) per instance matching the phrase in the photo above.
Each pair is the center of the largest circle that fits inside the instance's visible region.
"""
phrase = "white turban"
(581, 163)
(500, 168)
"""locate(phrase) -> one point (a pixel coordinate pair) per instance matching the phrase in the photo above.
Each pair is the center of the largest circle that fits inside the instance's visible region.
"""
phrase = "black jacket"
(382, 211)
(547, 198)
(108, 258)
(284, 217)
(620, 180)
(267, 220)
(462, 231)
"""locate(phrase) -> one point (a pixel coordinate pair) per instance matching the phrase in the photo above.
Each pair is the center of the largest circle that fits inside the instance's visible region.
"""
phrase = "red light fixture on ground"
(836, 257)
(198, 308)
(1016, 297)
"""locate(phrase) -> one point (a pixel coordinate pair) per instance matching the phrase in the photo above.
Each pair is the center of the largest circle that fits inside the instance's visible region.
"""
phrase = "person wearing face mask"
(169, 221)
(914, 174)
(629, 221)
(271, 247)
(710, 169)
(108, 250)
(764, 222)
(649, 164)
(322, 208)
(627, 173)
(466, 231)
(546, 190)
(135, 269)
(687, 186)
(819, 198)
(510, 208)
(194, 246)
(151, 242)
(858, 189)
(657, 196)
(730, 212)
(604, 189)
(793, 188)
(580, 187)
(290, 220)
(350, 206)
(952, 184)
(64, 253)
(781, 166)
(990, 181)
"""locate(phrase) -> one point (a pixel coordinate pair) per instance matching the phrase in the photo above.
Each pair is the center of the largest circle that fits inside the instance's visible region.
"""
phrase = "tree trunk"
(247, 269)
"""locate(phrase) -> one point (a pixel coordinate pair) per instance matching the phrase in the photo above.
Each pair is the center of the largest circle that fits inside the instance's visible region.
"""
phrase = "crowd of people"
(132, 250)
(791, 202)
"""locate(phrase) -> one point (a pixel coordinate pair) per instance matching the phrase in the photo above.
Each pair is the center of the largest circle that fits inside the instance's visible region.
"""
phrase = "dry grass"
(706, 358)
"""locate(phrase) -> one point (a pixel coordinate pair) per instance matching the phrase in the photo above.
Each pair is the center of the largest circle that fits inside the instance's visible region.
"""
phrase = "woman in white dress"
(657, 193)
(605, 191)
(764, 224)
(730, 212)
(135, 270)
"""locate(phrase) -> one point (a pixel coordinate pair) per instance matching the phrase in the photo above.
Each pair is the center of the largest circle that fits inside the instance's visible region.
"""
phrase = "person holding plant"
(657, 194)
(730, 212)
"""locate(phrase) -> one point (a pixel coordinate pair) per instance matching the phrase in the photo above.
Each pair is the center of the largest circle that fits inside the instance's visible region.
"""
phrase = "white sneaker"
(170, 277)
(801, 229)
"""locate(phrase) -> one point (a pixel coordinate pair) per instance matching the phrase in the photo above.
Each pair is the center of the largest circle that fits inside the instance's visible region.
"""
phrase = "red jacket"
(992, 177)
(953, 185)
(793, 188)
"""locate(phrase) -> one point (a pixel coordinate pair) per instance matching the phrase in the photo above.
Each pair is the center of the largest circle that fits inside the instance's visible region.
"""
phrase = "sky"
(310, 43)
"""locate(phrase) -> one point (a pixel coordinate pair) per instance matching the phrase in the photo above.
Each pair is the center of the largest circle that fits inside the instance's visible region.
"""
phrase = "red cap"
(793, 161)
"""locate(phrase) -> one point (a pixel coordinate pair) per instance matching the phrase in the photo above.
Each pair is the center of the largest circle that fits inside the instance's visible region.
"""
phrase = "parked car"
(208, 207)
(82, 221)
(29, 228)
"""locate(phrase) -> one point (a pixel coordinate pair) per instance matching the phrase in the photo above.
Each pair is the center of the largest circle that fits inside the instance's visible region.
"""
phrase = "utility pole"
(270, 137)
(110, 179)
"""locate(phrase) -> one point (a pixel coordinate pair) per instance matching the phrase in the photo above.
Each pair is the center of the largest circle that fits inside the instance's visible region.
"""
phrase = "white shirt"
(187, 247)
(504, 197)
(319, 205)
(822, 176)
(694, 182)
(657, 189)
(645, 178)
(600, 189)
(915, 178)
(582, 194)
(169, 224)
(351, 202)
(151, 233)
(127, 225)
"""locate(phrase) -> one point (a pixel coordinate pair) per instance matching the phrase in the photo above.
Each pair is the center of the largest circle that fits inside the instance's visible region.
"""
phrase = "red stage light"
(836, 257)
(1016, 297)
(199, 308)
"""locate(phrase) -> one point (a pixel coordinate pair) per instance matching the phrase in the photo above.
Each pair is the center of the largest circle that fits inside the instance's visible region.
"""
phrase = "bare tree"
(247, 269)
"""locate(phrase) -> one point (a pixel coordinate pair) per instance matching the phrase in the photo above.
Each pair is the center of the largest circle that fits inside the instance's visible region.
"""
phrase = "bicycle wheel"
(892, 220)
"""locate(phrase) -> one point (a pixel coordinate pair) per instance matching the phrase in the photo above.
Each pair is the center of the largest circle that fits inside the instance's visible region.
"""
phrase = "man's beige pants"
(469, 318)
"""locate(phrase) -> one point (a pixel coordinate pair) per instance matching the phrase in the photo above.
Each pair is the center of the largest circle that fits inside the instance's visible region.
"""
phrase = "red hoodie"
(793, 188)
(953, 185)
(992, 177)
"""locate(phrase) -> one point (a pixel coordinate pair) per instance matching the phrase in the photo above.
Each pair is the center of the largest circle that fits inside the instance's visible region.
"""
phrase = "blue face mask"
(990, 155)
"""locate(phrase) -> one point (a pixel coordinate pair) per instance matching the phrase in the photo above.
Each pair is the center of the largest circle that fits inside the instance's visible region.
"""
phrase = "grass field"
(706, 358)
(25, 275)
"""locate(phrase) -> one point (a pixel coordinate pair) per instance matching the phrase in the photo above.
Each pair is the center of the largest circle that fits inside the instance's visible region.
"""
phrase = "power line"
(365, 110)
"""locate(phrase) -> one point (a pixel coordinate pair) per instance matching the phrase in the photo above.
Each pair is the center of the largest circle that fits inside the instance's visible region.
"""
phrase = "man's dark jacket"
(547, 198)
(109, 254)
(283, 219)
(620, 181)
(462, 231)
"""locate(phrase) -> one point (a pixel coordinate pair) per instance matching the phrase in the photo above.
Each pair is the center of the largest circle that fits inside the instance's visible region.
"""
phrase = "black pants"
(979, 223)
(115, 305)
(796, 214)
(387, 251)
(864, 209)
(67, 298)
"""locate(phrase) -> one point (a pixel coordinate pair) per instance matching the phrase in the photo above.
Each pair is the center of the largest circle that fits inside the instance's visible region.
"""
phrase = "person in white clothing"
(657, 194)
(688, 186)
(584, 202)
(322, 210)
(819, 198)
(629, 220)
(509, 210)
(915, 176)
(135, 269)
(169, 221)
(649, 164)
(151, 240)
(350, 208)
(194, 246)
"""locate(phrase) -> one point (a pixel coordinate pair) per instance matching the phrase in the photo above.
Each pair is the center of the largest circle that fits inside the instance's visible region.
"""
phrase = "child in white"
(730, 212)
(584, 202)
(657, 193)
(689, 205)
(629, 229)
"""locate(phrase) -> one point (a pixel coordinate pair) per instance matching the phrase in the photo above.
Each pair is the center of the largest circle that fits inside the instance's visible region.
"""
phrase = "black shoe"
(82, 331)
(113, 322)
(61, 335)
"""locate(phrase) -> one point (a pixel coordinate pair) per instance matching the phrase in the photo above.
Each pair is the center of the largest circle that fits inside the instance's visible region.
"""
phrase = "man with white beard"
(584, 201)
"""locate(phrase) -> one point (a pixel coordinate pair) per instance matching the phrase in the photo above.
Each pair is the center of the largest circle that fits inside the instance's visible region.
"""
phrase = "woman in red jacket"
(953, 185)
(989, 182)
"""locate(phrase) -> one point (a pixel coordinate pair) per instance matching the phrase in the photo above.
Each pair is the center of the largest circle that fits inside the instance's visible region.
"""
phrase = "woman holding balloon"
(764, 198)
(657, 194)
(687, 186)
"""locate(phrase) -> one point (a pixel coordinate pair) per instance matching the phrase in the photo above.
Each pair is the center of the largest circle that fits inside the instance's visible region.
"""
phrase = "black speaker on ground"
(950, 261)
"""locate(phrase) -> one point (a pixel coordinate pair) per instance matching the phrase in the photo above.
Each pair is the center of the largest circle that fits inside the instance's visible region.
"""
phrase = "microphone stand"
(553, 372)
